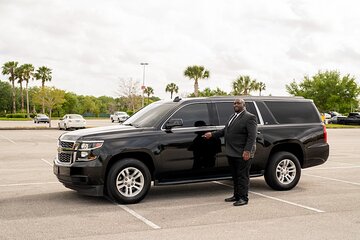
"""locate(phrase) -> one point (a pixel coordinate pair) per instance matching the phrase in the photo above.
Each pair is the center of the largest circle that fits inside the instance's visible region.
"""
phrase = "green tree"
(196, 72)
(260, 86)
(19, 73)
(51, 98)
(44, 75)
(209, 93)
(71, 103)
(5, 98)
(148, 91)
(28, 72)
(243, 85)
(9, 69)
(171, 88)
(329, 91)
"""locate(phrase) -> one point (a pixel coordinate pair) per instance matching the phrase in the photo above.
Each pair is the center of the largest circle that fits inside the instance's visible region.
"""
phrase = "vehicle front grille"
(66, 151)
(64, 157)
(64, 144)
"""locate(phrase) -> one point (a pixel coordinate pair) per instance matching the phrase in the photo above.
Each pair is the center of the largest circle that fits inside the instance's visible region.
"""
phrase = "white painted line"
(333, 179)
(277, 199)
(138, 216)
(46, 162)
(8, 139)
(26, 184)
(329, 168)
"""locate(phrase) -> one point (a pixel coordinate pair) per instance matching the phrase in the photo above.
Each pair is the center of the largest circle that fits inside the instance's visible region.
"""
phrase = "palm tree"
(171, 87)
(9, 69)
(19, 75)
(261, 87)
(243, 85)
(43, 74)
(28, 72)
(148, 91)
(196, 72)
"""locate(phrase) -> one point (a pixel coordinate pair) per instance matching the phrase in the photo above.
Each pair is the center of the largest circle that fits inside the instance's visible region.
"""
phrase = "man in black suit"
(240, 136)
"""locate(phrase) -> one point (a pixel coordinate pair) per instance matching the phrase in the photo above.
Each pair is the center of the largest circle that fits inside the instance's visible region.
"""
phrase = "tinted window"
(194, 115)
(266, 115)
(226, 109)
(293, 112)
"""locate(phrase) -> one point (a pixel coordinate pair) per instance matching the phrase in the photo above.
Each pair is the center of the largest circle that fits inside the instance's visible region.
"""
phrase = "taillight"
(325, 132)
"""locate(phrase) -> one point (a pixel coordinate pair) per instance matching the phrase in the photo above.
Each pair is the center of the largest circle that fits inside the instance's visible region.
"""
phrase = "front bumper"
(83, 177)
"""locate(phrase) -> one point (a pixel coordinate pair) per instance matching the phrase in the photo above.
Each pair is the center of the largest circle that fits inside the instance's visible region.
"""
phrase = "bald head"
(239, 105)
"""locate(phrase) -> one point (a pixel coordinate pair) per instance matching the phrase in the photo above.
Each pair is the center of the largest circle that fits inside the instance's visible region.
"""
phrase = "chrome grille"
(64, 157)
(64, 144)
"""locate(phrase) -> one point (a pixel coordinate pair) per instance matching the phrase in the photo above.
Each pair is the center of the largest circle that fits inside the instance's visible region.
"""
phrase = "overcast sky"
(91, 45)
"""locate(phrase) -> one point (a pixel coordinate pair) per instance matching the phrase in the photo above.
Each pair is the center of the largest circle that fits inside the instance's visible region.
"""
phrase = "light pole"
(143, 85)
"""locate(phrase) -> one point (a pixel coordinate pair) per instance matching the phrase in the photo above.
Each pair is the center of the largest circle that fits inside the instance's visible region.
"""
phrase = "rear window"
(293, 112)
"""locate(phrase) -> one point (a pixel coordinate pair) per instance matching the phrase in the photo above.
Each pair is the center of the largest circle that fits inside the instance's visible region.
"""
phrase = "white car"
(119, 116)
(72, 121)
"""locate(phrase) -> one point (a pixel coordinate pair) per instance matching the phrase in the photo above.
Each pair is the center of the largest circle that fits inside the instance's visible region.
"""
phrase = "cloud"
(90, 45)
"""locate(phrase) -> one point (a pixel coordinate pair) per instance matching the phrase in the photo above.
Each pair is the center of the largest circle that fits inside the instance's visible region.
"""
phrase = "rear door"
(225, 110)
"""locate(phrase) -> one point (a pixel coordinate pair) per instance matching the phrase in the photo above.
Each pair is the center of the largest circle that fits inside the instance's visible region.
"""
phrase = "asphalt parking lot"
(34, 205)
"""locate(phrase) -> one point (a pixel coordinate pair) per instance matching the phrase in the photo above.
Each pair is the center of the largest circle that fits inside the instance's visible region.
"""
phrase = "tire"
(121, 184)
(112, 120)
(283, 171)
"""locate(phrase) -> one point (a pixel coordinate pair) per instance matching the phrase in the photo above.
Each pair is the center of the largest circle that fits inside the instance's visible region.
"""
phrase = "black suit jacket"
(240, 135)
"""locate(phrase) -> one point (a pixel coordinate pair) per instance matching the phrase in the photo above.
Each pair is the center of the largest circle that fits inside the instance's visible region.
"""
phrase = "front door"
(186, 155)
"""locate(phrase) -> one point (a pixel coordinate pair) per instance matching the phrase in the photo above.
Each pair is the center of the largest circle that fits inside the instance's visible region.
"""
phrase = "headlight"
(87, 150)
(90, 145)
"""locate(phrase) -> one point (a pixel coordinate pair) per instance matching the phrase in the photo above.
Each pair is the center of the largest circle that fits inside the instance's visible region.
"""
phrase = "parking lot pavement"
(34, 205)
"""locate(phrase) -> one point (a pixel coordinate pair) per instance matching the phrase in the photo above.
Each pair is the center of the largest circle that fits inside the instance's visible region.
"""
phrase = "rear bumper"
(85, 180)
(316, 154)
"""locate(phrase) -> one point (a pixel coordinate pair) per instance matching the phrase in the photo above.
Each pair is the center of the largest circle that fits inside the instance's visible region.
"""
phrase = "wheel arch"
(294, 148)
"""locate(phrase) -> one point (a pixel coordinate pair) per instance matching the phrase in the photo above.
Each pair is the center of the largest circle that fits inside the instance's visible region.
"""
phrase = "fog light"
(84, 154)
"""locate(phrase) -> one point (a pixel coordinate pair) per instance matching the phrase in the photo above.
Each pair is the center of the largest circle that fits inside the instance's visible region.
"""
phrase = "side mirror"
(175, 122)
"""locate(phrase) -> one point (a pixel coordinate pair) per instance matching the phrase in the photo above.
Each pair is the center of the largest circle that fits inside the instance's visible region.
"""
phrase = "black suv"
(163, 143)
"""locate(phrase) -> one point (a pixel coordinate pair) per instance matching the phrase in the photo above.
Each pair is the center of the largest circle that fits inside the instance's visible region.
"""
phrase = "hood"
(100, 133)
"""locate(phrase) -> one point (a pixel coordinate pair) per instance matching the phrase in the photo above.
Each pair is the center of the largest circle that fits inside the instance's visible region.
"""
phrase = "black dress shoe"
(231, 199)
(240, 202)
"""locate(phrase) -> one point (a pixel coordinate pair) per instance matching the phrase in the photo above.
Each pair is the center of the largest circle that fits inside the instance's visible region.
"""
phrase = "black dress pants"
(240, 170)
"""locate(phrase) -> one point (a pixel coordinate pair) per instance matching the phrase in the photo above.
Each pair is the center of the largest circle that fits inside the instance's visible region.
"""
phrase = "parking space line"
(8, 139)
(333, 179)
(136, 215)
(46, 162)
(329, 168)
(26, 184)
(277, 199)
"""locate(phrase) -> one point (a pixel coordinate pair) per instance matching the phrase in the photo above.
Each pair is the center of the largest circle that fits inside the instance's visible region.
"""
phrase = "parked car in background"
(335, 119)
(333, 113)
(119, 116)
(75, 121)
(352, 118)
(41, 118)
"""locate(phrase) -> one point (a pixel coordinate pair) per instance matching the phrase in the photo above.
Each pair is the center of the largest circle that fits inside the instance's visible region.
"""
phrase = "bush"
(16, 115)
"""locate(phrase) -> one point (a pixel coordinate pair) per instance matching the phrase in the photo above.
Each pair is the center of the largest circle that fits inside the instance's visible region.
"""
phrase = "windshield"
(150, 115)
